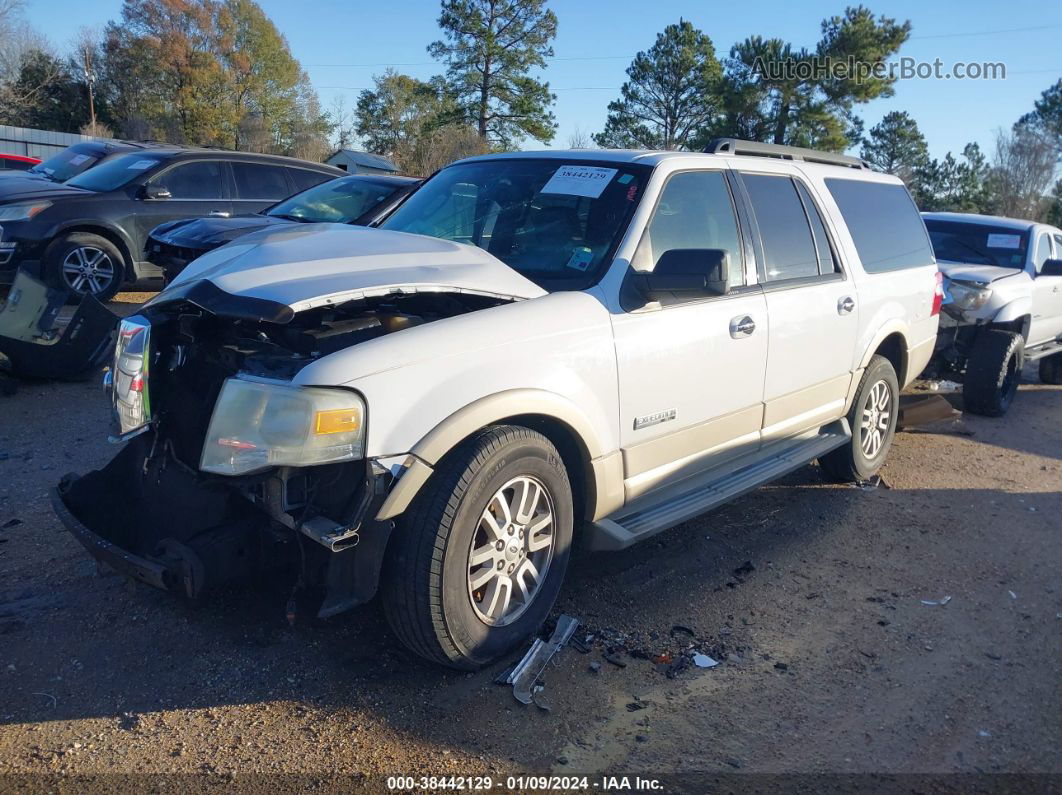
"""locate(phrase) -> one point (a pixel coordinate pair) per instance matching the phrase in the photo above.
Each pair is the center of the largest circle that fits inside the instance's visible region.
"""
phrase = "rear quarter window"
(888, 232)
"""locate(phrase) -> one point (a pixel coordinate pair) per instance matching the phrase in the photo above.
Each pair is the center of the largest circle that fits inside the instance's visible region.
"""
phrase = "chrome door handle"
(742, 326)
(219, 214)
(845, 305)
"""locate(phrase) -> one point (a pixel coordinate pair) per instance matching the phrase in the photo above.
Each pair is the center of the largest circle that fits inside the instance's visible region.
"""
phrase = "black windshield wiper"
(298, 218)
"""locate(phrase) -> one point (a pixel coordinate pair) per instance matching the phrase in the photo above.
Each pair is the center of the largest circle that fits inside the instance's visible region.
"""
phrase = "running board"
(1046, 350)
(700, 493)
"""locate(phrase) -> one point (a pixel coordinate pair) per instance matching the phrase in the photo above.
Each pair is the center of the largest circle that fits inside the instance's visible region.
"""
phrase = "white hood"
(308, 265)
(985, 274)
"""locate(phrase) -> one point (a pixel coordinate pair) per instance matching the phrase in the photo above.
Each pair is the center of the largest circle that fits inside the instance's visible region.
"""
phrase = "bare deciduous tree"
(580, 139)
(1023, 170)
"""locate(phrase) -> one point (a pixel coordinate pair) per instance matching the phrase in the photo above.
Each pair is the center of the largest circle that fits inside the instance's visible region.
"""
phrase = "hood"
(983, 274)
(207, 233)
(306, 265)
(24, 188)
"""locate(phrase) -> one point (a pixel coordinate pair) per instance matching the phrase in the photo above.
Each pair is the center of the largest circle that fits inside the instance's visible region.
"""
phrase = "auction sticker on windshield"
(588, 181)
(1004, 241)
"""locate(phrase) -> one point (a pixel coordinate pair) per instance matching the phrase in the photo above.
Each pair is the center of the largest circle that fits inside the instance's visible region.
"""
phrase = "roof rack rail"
(736, 146)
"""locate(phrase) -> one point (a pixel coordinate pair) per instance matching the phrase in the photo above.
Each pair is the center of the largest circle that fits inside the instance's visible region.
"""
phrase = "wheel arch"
(108, 233)
(596, 476)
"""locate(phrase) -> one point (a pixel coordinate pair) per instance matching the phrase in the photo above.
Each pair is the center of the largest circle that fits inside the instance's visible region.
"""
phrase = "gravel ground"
(810, 595)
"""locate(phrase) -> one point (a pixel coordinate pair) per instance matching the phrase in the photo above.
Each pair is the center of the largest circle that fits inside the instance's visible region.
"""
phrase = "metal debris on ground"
(704, 661)
(924, 409)
(937, 602)
(871, 483)
(524, 676)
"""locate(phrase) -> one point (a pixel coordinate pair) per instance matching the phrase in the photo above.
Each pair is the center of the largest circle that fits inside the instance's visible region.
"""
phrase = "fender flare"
(601, 466)
(1016, 310)
(894, 326)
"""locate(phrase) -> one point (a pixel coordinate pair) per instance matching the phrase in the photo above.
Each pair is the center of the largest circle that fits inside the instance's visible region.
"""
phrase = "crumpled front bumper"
(142, 569)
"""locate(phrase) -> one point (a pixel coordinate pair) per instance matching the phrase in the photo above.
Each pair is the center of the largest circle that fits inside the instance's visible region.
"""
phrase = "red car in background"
(17, 162)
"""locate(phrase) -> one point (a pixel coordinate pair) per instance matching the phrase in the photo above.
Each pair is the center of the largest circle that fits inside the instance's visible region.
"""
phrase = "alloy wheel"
(511, 551)
(87, 269)
(877, 412)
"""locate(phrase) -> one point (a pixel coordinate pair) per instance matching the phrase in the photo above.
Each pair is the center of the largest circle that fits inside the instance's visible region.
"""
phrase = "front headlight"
(22, 212)
(260, 424)
(968, 296)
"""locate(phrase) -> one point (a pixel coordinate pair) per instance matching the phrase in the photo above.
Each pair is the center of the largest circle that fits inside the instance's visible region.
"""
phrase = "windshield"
(68, 163)
(978, 244)
(339, 201)
(115, 173)
(554, 221)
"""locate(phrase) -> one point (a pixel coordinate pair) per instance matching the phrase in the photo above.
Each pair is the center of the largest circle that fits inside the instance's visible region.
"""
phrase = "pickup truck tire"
(873, 421)
(993, 370)
(85, 264)
(1051, 369)
(459, 586)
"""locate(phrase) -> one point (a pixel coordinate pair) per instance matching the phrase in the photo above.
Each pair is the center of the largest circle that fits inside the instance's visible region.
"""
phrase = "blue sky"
(342, 43)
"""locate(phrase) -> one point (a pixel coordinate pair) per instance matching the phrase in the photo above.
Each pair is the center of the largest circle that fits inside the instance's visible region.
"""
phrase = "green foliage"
(671, 94)
(490, 48)
(776, 92)
(47, 95)
(209, 72)
(1053, 215)
(958, 185)
(1047, 113)
(896, 146)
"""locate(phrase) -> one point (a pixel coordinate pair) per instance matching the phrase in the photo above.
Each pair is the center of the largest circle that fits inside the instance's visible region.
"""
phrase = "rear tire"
(872, 419)
(82, 263)
(993, 370)
(1051, 369)
(443, 589)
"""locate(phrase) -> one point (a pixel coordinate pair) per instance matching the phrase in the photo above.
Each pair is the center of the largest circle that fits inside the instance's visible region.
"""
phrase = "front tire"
(993, 370)
(1051, 369)
(476, 563)
(85, 264)
(872, 419)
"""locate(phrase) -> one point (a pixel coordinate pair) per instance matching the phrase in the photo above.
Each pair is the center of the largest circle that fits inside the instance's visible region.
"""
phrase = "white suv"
(533, 347)
(1002, 305)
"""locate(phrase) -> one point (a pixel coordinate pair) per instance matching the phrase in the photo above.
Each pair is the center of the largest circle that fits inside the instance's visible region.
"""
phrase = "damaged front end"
(37, 342)
(229, 469)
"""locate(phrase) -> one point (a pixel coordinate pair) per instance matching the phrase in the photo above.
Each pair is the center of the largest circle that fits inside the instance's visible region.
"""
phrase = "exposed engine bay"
(153, 513)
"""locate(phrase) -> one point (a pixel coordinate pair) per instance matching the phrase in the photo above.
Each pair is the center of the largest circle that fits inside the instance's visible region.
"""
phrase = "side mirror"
(1051, 267)
(155, 192)
(689, 270)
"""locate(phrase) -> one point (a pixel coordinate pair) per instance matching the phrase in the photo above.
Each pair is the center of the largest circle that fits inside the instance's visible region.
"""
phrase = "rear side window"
(257, 181)
(827, 261)
(304, 179)
(197, 180)
(884, 223)
(788, 246)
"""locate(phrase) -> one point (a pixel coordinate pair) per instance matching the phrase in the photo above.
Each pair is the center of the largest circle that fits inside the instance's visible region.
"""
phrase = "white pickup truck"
(534, 347)
(1002, 305)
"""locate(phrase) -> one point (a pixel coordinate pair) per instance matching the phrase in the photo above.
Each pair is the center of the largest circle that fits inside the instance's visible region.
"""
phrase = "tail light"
(938, 294)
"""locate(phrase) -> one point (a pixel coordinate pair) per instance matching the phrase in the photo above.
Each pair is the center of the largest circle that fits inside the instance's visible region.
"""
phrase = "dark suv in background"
(87, 235)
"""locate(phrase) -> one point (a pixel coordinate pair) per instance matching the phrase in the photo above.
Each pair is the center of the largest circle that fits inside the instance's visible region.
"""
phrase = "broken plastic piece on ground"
(704, 661)
(524, 677)
(923, 409)
(871, 483)
(937, 602)
(33, 342)
(614, 658)
(944, 386)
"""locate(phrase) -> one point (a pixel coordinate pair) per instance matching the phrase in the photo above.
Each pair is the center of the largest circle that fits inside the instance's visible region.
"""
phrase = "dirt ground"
(809, 594)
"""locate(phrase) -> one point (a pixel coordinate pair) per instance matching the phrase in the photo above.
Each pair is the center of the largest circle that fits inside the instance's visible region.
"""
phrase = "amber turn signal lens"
(338, 421)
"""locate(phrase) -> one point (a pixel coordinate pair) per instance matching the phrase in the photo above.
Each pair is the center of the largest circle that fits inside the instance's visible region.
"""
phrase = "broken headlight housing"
(969, 296)
(259, 423)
